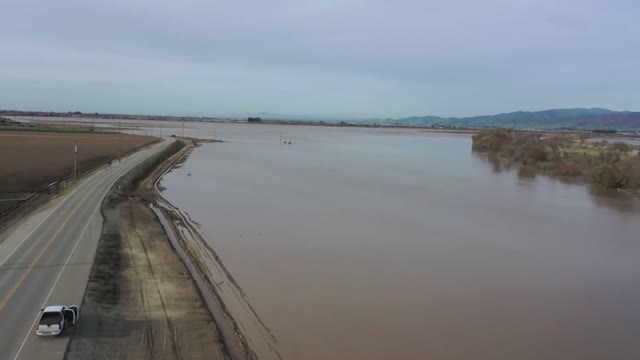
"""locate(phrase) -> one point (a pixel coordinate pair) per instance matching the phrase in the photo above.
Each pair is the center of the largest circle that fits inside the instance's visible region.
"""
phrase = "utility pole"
(119, 140)
(182, 128)
(75, 162)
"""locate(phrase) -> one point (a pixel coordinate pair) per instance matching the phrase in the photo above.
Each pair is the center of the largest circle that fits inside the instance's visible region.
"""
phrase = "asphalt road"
(46, 260)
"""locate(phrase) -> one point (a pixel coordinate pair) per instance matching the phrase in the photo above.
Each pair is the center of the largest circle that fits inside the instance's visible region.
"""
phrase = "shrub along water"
(614, 165)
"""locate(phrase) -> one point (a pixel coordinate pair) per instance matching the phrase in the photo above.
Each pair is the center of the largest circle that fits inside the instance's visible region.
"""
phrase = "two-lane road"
(47, 259)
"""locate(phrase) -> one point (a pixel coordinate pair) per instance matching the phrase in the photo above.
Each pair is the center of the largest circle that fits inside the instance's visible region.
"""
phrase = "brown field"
(29, 161)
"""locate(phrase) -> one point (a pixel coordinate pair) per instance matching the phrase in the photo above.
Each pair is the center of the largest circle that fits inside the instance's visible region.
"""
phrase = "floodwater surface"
(371, 244)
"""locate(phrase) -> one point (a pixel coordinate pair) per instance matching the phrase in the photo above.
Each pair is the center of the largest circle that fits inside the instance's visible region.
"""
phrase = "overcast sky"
(351, 58)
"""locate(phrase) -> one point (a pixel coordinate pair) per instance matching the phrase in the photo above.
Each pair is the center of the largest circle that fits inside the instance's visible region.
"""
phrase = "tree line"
(614, 165)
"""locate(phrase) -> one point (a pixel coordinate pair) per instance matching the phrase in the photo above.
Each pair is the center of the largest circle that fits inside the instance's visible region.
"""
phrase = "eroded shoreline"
(245, 335)
(139, 299)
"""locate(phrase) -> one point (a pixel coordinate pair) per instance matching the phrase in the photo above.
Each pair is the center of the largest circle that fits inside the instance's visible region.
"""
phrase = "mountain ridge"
(569, 118)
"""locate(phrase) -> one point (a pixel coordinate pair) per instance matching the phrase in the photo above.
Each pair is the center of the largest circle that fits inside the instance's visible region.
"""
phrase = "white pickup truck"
(56, 318)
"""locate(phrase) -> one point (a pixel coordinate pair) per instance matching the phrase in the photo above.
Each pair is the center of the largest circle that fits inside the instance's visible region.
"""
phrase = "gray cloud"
(351, 57)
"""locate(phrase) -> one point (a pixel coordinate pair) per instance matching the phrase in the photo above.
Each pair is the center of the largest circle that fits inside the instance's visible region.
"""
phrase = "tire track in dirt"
(146, 243)
(140, 303)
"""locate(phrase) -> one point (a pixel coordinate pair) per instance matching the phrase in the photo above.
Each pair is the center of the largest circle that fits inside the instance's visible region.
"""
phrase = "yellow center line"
(28, 271)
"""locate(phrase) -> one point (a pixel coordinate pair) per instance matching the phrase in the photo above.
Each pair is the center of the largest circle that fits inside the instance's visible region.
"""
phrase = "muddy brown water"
(391, 244)
(364, 244)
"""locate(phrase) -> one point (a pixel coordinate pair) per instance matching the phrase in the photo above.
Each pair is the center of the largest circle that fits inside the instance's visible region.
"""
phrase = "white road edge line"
(85, 181)
(58, 278)
(71, 254)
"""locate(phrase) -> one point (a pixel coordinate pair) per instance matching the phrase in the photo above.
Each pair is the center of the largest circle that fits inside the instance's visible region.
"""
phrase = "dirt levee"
(140, 301)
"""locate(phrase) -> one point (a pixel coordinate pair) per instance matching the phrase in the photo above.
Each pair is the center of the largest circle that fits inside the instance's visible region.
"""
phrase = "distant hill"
(579, 119)
(587, 119)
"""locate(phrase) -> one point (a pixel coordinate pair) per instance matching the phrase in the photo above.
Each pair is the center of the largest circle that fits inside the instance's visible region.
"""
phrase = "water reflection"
(526, 176)
(614, 199)
(409, 246)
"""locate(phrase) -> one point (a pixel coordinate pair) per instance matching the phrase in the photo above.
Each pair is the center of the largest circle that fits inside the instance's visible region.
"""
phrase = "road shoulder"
(140, 300)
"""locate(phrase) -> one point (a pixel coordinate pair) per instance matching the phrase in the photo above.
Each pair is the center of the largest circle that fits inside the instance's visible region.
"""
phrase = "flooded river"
(372, 244)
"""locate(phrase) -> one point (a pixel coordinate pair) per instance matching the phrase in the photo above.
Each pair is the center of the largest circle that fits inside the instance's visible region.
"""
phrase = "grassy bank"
(614, 165)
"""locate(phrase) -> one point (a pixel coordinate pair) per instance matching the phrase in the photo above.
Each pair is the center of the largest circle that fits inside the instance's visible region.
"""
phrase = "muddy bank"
(140, 300)
(245, 334)
(353, 245)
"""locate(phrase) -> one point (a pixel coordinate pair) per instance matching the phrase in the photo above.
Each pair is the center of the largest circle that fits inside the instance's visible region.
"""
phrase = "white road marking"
(58, 278)
(47, 217)
(136, 163)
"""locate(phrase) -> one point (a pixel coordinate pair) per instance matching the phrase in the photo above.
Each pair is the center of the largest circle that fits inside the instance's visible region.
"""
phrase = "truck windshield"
(50, 318)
